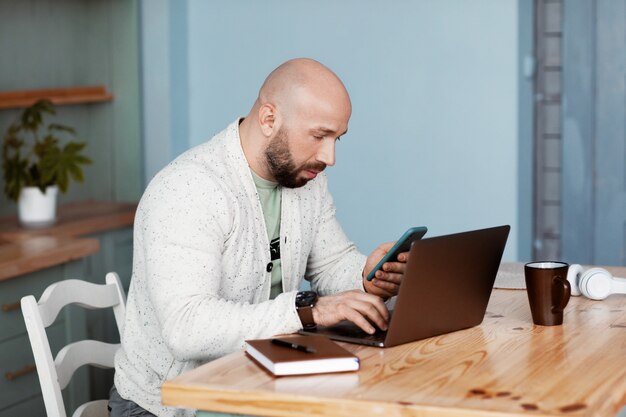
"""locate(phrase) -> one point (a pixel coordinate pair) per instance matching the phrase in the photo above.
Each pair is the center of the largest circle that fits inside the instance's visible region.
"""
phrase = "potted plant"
(36, 165)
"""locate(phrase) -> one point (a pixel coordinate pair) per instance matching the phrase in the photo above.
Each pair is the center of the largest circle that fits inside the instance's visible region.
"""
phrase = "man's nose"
(326, 154)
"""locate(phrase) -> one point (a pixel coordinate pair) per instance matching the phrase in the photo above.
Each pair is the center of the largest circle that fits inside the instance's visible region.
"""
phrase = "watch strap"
(305, 301)
(306, 317)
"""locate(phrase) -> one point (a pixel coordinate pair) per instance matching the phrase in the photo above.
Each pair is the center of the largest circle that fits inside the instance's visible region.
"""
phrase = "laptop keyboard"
(350, 329)
(359, 333)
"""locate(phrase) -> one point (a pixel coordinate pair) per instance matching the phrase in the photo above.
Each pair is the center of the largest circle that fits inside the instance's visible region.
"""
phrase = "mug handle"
(559, 305)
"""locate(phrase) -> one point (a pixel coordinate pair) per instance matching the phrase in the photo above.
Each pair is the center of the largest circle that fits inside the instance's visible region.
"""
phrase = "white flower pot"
(36, 209)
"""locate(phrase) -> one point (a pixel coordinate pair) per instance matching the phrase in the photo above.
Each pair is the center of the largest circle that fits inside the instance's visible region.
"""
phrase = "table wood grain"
(505, 367)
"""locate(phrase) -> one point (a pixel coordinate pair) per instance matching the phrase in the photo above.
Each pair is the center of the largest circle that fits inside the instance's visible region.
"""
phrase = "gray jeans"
(119, 407)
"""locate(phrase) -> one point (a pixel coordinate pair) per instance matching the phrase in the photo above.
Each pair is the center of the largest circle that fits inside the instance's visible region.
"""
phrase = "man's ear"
(268, 119)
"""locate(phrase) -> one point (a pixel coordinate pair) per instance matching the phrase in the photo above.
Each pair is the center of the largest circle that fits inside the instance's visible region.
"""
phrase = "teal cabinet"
(19, 383)
(115, 255)
(20, 393)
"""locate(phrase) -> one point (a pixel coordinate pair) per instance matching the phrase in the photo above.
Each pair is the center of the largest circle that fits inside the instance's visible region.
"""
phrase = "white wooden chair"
(55, 374)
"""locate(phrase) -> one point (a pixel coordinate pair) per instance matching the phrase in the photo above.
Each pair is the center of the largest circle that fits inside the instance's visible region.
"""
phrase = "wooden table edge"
(265, 403)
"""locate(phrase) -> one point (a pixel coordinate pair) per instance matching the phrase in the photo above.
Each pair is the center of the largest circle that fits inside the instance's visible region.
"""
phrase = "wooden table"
(504, 367)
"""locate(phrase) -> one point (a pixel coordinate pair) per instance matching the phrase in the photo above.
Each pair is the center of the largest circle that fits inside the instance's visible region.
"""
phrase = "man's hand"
(353, 305)
(386, 282)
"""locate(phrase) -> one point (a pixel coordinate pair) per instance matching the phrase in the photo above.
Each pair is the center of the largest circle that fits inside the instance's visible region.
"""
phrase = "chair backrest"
(55, 374)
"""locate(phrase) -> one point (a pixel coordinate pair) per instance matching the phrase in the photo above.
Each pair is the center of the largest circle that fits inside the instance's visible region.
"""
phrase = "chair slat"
(85, 352)
(74, 291)
(93, 409)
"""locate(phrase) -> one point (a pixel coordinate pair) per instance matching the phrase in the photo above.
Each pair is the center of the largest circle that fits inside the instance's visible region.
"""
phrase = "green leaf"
(47, 145)
(32, 117)
(58, 165)
(83, 160)
(76, 173)
(74, 147)
(63, 181)
(16, 176)
(61, 128)
(11, 138)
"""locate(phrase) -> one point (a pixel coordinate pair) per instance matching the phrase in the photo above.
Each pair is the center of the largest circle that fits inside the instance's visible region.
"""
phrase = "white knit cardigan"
(200, 285)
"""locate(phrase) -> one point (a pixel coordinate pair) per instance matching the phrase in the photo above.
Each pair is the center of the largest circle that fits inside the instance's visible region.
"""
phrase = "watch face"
(306, 298)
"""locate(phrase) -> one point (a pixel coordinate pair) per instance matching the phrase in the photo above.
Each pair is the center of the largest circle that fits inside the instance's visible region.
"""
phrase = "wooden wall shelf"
(58, 96)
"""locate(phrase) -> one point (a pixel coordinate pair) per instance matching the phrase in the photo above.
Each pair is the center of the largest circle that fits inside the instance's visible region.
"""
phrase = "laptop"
(446, 287)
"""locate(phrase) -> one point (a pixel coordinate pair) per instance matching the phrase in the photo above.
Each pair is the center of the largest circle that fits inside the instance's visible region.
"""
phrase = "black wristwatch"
(305, 301)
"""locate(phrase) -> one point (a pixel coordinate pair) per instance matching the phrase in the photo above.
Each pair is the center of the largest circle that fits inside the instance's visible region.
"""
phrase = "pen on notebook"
(291, 345)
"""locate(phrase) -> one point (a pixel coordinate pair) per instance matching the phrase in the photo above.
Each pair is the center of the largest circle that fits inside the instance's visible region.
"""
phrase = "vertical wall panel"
(155, 78)
(123, 56)
(610, 135)
(548, 129)
(595, 135)
(578, 130)
(525, 125)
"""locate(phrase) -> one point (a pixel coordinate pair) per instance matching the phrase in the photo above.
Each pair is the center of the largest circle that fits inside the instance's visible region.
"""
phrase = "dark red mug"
(548, 291)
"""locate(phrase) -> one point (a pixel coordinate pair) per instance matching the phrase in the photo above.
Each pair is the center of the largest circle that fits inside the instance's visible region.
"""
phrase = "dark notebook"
(281, 360)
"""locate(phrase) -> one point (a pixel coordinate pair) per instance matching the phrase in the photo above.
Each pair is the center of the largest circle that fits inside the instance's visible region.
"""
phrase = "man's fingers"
(389, 277)
(399, 267)
(386, 292)
(403, 257)
(360, 321)
(361, 310)
(388, 286)
(366, 302)
(356, 306)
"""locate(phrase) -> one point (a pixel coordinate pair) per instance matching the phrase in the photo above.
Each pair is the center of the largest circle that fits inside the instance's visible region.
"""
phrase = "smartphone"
(402, 245)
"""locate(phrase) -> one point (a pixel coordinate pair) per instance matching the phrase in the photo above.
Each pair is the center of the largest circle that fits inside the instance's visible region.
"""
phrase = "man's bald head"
(298, 81)
(296, 76)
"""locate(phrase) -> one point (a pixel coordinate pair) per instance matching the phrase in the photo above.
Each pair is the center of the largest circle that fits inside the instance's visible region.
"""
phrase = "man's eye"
(318, 137)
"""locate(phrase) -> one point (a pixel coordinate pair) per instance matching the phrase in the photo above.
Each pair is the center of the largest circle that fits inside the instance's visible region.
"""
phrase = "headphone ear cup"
(595, 283)
(573, 276)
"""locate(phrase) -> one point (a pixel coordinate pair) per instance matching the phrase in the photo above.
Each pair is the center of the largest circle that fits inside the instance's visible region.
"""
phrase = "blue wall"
(435, 88)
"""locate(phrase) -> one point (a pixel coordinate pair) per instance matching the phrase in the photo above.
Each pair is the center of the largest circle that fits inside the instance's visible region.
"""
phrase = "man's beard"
(281, 165)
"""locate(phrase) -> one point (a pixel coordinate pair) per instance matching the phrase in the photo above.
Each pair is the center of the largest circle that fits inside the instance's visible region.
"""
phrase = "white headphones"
(594, 283)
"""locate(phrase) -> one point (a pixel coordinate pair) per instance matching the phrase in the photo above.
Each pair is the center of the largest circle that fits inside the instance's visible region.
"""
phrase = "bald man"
(225, 234)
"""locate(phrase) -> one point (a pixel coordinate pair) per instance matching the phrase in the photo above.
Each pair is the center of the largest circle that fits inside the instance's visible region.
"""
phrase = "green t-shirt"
(270, 196)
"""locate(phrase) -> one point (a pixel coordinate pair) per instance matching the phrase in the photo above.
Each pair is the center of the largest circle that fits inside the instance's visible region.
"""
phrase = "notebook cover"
(280, 360)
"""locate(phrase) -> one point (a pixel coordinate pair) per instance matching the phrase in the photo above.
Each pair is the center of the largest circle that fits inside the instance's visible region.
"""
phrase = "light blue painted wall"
(434, 135)
(525, 130)
(155, 81)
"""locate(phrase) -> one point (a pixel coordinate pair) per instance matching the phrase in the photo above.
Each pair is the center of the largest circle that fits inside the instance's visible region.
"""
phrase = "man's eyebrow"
(327, 130)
